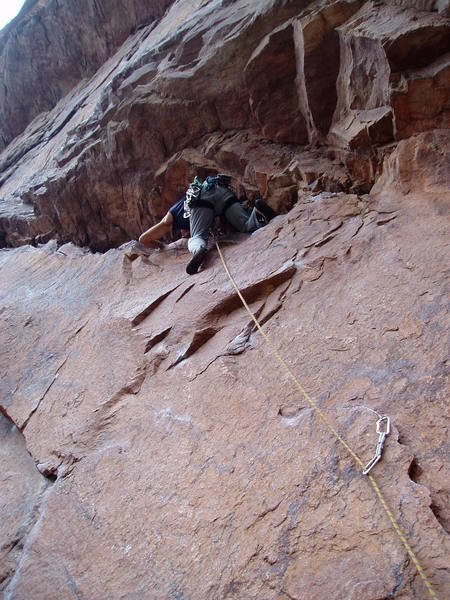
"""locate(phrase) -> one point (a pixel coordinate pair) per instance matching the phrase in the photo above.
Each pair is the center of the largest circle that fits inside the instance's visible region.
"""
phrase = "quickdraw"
(192, 194)
(382, 433)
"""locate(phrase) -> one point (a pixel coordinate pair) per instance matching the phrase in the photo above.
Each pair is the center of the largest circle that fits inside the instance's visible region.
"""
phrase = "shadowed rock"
(184, 462)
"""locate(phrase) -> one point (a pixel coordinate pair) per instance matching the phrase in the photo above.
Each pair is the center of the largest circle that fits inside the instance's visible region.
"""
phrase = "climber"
(215, 198)
(172, 222)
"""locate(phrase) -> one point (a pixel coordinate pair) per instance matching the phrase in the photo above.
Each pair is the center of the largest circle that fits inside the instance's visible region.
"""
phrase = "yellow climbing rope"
(341, 440)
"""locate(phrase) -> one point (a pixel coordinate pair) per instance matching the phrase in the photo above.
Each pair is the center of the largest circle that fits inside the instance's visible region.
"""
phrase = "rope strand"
(328, 424)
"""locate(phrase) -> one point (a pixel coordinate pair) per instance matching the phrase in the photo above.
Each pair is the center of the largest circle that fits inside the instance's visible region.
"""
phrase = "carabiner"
(388, 425)
(382, 434)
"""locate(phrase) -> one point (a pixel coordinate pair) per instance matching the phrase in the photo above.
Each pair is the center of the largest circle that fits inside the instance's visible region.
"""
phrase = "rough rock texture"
(187, 465)
(22, 489)
(55, 44)
(220, 80)
(174, 458)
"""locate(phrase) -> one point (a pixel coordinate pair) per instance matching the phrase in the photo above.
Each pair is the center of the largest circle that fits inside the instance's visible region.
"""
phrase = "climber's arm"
(150, 237)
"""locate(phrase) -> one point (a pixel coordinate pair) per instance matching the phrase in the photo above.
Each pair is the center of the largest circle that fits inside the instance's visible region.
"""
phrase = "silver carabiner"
(388, 425)
(382, 434)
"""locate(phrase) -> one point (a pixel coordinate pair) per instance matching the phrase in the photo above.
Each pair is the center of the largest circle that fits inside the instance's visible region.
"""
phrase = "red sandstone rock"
(49, 48)
(271, 80)
(161, 94)
(393, 80)
(22, 489)
(421, 99)
(421, 163)
(186, 464)
(179, 443)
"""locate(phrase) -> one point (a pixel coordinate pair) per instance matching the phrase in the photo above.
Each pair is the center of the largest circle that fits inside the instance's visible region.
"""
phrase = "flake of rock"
(185, 463)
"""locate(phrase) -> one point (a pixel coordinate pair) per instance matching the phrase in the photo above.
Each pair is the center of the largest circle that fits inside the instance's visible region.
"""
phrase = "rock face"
(22, 496)
(238, 87)
(175, 459)
(53, 45)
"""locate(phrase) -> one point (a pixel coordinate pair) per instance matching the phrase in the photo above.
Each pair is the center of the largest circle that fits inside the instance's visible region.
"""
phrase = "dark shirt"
(177, 211)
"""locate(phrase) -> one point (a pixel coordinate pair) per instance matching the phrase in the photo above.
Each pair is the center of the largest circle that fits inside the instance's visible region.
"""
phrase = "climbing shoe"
(195, 262)
(263, 210)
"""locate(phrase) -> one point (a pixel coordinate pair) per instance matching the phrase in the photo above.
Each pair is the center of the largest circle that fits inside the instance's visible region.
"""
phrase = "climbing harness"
(192, 195)
(383, 422)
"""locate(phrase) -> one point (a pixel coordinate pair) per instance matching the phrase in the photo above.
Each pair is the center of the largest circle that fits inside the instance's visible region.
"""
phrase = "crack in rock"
(252, 291)
(55, 377)
(158, 337)
(149, 308)
(22, 496)
(199, 339)
(32, 534)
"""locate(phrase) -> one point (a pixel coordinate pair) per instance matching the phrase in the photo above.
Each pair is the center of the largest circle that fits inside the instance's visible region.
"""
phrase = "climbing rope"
(329, 425)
